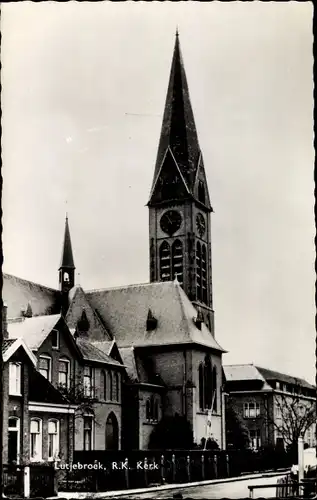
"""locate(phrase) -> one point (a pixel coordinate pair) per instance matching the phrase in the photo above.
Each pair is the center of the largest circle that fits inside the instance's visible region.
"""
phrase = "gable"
(78, 306)
(20, 294)
(67, 346)
(33, 330)
(169, 184)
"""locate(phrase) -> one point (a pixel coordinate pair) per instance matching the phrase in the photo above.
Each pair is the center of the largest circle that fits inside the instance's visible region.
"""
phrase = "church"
(153, 344)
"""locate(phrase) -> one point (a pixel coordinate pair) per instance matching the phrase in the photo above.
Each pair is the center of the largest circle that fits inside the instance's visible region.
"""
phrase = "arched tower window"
(177, 260)
(204, 273)
(198, 270)
(165, 262)
(208, 383)
(201, 192)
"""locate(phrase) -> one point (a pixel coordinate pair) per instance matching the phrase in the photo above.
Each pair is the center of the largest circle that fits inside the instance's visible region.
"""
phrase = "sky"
(83, 93)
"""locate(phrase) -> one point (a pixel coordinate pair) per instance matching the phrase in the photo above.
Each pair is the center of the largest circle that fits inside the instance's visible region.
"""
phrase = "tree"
(292, 416)
(173, 432)
(237, 434)
(78, 396)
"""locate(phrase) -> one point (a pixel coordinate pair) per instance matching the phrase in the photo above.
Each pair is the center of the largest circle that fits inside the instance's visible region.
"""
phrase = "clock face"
(200, 224)
(171, 222)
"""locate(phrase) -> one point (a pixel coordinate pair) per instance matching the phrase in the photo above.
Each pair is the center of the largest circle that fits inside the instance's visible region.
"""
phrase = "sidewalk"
(121, 493)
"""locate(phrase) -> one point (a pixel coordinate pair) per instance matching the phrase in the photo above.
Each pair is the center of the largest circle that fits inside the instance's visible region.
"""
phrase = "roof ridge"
(29, 281)
(281, 373)
(128, 286)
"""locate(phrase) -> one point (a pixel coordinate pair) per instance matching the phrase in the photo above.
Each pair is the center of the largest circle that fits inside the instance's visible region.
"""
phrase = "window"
(109, 378)
(152, 409)
(13, 440)
(277, 385)
(36, 439)
(53, 439)
(177, 261)
(45, 367)
(55, 339)
(207, 385)
(63, 372)
(278, 411)
(66, 277)
(251, 410)
(201, 272)
(15, 379)
(165, 262)
(116, 387)
(255, 437)
(88, 382)
(88, 432)
(104, 384)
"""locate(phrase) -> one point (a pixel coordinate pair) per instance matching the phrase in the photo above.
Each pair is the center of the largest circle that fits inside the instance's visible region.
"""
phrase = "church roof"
(33, 330)
(178, 134)
(18, 293)
(125, 311)
(67, 260)
(91, 352)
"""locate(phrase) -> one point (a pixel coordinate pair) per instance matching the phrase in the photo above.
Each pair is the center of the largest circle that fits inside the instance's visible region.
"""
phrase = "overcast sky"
(83, 93)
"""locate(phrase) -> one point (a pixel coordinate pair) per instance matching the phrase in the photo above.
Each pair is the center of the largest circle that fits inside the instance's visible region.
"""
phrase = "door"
(112, 434)
(13, 440)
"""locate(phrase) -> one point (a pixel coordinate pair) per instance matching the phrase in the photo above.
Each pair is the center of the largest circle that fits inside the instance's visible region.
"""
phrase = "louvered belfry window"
(165, 262)
(201, 272)
(177, 261)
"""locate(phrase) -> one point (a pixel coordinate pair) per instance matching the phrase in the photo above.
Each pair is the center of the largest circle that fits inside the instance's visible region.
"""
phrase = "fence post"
(203, 467)
(216, 466)
(26, 482)
(227, 465)
(162, 470)
(126, 473)
(188, 468)
(173, 468)
(145, 467)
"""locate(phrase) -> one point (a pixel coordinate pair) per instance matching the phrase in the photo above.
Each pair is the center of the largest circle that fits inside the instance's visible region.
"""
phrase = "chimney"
(4, 322)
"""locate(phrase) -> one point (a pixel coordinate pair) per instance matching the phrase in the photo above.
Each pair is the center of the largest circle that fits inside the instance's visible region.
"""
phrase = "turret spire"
(67, 261)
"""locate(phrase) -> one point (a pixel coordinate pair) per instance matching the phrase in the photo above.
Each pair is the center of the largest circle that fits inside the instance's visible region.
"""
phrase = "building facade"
(276, 408)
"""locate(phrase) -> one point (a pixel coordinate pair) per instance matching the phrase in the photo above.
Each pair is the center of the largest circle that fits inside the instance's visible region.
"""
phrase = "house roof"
(128, 358)
(125, 309)
(235, 373)
(105, 345)
(18, 293)
(282, 377)
(42, 391)
(10, 346)
(33, 330)
(92, 353)
(137, 369)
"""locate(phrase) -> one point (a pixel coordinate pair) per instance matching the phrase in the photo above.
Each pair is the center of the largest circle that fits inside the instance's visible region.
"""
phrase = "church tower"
(66, 269)
(179, 204)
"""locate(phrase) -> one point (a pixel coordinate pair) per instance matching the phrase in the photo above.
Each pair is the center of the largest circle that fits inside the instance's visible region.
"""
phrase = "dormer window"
(55, 339)
(151, 321)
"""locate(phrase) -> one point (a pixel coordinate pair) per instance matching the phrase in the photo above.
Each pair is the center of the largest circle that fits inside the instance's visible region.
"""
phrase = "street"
(236, 489)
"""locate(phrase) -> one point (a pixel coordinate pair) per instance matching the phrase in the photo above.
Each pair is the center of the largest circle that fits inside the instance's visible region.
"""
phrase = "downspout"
(184, 385)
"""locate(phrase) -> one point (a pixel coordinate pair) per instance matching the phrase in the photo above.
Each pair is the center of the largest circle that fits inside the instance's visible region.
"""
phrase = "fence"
(111, 470)
(28, 481)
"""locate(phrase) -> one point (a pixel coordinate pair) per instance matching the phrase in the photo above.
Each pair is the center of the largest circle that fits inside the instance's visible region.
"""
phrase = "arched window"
(198, 270)
(155, 410)
(104, 384)
(109, 379)
(117, 387)
(88, 432)
(148, 409)
(112, 432)
(53, 439)
(201, 192)
(177, 260)
(201, 386)
(204, 273)
(36, 439)
(114, 386)
(165, 262)
(66, 277)
(214, 387)
(208, 382)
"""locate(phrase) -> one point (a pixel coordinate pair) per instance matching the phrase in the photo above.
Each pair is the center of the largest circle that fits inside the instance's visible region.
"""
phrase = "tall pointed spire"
(178, 132)
(67, 261)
